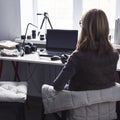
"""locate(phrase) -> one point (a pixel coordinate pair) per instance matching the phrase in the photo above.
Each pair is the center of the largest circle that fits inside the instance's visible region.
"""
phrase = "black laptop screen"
(61, 40)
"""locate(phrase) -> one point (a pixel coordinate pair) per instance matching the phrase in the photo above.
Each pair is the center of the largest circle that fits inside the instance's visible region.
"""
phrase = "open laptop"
(59, 42)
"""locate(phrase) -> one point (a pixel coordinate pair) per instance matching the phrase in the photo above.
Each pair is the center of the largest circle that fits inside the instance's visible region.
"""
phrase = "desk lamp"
(24, 48)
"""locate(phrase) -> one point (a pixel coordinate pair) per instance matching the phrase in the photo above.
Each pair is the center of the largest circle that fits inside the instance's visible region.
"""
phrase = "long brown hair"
(95, 32)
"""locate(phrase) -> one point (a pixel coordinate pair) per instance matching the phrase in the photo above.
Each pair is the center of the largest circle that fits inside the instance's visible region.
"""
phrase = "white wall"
(26, 14)
(77, 13)
(10, 27)
(117, 8)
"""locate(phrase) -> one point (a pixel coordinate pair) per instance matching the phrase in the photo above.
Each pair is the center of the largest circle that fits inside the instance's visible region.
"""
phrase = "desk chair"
(12, 99)
(82, 105)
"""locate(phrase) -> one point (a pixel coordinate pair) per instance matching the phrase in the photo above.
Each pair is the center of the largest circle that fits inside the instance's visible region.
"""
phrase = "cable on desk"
(15, 66)
(31, 72)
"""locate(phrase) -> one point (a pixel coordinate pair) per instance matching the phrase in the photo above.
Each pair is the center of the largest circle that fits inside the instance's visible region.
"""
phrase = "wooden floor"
(34, 109)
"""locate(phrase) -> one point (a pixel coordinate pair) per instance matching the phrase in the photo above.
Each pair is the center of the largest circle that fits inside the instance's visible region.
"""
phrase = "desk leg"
(15, 66)
(118, 79)
(1, 67)
(118, 102)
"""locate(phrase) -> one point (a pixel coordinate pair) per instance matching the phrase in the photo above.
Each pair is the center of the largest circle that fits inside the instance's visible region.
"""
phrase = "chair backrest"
(66, 100)
(100, 111)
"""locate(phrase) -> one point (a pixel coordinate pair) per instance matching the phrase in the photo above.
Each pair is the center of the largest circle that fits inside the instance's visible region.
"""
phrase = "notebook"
(60, 41)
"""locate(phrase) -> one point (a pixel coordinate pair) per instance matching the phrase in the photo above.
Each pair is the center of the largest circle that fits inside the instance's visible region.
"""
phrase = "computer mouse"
(55, 57)
(41, 49)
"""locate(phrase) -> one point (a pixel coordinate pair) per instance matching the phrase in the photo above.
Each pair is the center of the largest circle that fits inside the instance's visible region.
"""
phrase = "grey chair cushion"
(13, 91)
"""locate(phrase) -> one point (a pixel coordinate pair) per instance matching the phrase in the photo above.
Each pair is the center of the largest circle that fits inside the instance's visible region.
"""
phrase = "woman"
(93, 64)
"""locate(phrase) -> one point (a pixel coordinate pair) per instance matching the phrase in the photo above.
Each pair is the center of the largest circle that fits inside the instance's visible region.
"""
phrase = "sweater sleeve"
(64, 76)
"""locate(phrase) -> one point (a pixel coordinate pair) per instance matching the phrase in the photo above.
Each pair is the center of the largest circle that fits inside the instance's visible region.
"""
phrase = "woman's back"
(93, 71)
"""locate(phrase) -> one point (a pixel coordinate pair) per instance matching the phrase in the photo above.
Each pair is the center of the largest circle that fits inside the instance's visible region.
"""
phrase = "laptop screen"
(61, 40)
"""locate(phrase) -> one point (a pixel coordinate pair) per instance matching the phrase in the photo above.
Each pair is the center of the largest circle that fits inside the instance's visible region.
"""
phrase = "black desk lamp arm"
(26, 32)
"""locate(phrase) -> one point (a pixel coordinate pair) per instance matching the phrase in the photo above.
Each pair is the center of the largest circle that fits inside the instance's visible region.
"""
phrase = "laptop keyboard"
(52, 53)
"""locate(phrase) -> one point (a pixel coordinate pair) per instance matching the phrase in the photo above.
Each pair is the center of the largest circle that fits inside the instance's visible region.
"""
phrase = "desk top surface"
(35, 58)
(32, 58)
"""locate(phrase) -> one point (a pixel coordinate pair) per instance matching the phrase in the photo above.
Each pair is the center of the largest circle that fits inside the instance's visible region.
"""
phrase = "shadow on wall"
(10, 27)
